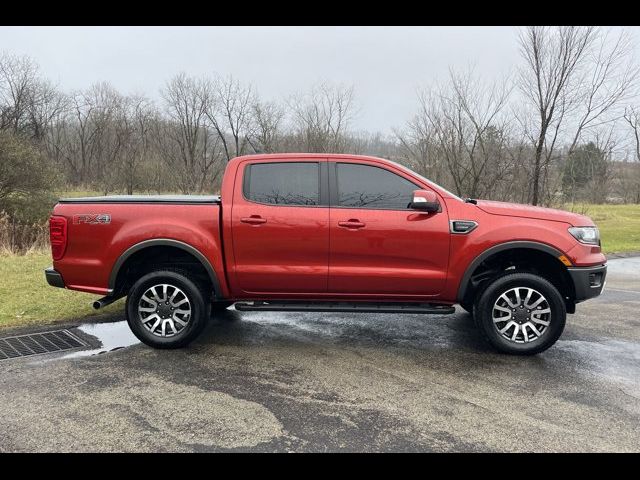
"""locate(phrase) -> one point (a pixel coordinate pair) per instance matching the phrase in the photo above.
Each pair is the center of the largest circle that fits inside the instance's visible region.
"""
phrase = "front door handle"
(254, 220)
(351, 223)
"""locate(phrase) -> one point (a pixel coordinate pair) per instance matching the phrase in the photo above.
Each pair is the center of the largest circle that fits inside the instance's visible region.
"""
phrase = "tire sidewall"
(193, 293)
(484, 308)
(467, 307)
(220, 306)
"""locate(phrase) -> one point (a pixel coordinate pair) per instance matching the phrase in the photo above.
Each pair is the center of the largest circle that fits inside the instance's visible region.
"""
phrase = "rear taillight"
(58, 236)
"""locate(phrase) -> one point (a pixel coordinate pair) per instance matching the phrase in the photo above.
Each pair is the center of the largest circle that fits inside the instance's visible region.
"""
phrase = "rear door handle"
(254, 220)
(352, 223)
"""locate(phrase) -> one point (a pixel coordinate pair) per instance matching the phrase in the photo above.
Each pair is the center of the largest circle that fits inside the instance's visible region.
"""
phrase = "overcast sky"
(384, 64)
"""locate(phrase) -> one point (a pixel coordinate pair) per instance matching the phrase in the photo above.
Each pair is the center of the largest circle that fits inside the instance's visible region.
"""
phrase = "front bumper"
(588, 281)
(53, 277)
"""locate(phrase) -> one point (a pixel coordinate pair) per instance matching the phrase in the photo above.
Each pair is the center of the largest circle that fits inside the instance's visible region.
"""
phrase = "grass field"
(619, 225)
(25, 297)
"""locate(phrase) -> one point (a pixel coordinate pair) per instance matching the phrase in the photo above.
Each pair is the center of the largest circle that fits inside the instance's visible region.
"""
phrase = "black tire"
(194, 292)
(220, 306)
(484, 306)
(467, 307)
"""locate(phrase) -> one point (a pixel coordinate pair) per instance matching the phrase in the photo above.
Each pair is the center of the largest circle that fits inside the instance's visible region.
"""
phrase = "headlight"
(588, 235)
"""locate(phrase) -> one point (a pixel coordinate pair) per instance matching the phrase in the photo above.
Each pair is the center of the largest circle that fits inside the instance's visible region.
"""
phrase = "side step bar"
(361, 307)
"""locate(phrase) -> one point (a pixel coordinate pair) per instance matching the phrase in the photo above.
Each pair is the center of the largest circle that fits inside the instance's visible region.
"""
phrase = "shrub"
(20, 238)
(25, 195)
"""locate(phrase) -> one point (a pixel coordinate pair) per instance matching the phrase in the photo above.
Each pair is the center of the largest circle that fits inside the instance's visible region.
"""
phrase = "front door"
(378, 245)
(280, 227)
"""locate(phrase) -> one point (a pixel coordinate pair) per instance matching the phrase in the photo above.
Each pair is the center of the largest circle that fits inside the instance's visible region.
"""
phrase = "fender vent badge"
(462, 226)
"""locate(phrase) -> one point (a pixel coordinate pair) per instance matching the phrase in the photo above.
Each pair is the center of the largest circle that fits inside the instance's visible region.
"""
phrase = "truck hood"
(529, 211)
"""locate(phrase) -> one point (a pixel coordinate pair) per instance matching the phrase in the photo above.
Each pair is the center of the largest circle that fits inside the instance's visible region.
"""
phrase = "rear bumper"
(588, 281)
(53, 277)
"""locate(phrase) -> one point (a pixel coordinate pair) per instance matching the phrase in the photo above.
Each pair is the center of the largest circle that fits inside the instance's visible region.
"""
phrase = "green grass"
(26, 298)
(78, 193)
(619, 225)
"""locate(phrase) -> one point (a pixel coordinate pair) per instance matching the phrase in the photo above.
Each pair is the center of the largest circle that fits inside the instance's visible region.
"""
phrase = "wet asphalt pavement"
(337, 382)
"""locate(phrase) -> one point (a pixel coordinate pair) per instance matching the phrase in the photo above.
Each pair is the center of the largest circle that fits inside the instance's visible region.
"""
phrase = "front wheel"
(521, 314)
(166, 309)
(220, 306)
(467, 307)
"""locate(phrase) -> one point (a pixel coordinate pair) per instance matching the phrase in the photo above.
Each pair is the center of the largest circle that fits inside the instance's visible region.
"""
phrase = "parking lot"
(337, 382)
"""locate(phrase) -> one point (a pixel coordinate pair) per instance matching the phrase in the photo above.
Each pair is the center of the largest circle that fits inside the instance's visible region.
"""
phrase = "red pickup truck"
(324, 232)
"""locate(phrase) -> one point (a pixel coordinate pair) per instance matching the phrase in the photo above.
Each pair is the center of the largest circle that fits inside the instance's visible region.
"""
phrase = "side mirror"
(425, 200)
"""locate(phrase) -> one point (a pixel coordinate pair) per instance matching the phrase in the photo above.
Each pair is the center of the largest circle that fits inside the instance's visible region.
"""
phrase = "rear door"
(378, 245)
(280, 227)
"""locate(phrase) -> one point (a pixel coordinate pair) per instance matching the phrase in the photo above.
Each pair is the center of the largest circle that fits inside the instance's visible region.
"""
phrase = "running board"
(360, 307)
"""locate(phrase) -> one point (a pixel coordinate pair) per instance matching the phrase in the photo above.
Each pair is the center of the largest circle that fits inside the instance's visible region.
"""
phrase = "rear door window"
(287, 183)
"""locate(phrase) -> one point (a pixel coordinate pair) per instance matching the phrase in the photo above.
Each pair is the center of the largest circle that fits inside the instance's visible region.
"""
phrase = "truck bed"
(102, 231)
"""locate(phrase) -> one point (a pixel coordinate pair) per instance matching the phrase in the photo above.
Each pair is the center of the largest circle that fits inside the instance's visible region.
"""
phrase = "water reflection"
(112, 336)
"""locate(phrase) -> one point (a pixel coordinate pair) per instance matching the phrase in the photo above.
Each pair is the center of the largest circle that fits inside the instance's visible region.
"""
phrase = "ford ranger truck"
(328, 233)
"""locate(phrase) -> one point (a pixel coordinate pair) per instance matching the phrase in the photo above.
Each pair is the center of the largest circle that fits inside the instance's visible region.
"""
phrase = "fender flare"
(543, 247)
(164, 242)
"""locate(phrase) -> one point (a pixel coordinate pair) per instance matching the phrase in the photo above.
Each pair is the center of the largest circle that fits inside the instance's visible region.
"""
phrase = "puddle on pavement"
(112, 336)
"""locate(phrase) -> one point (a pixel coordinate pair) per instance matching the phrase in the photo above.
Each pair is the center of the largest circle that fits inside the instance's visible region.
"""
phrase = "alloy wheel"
(521, 315)
(164, 310)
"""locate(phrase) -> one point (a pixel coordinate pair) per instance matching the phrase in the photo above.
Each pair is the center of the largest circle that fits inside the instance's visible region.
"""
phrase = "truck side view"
(325, 232)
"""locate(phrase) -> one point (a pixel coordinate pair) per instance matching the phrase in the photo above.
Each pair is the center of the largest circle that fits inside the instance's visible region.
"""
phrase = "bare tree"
(632, 118)
(321, 118)
(609, 81)
(84, 138)
(229, 109)
(134, 120)
(418, 145)
(28, 103)
(47, 102)
(573, 78)
(266, 128)
(106, 145)
(376, 144)
(17, 77)
(461, 128)
(184, 138)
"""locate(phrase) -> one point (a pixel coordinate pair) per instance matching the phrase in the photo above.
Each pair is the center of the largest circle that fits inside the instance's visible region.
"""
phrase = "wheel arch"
(163, 242)
(465, 286)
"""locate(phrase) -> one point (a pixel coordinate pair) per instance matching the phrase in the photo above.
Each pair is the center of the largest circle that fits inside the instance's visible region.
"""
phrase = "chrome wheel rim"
(164, 310)
(521, 315)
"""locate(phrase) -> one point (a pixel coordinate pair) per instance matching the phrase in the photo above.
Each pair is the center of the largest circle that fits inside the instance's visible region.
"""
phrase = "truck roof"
(307, 155)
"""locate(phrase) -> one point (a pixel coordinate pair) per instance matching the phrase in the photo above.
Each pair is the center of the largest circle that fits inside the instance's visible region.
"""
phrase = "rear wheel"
(166, 309)
(521, 314)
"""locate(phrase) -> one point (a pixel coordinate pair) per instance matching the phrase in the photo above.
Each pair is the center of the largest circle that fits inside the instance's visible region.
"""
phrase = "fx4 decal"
(92, 218)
